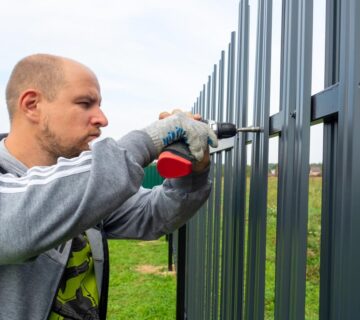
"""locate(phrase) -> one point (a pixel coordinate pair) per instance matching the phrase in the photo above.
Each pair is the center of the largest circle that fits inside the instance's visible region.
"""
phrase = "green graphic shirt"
(77, 297)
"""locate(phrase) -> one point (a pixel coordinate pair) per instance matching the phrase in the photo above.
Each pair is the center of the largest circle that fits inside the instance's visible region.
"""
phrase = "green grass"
(313, 251)
(137, 295)
(140, 296)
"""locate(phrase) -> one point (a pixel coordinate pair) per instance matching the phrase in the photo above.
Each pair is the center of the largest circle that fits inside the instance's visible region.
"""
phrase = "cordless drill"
(176, 160)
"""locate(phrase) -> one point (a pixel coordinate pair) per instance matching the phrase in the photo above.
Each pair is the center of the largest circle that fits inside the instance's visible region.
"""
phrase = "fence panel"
(223, 274)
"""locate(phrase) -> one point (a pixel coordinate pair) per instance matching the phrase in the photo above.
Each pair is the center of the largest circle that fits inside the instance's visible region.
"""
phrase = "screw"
(293, 114)
(249, 129)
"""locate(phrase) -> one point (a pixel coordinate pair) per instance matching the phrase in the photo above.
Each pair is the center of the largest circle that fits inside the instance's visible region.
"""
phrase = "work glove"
(180, 128)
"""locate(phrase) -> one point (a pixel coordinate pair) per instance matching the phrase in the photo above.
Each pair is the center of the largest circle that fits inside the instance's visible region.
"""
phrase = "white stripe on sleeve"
(55, 176)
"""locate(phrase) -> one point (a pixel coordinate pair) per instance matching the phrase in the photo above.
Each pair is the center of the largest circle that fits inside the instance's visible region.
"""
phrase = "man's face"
(74, 118)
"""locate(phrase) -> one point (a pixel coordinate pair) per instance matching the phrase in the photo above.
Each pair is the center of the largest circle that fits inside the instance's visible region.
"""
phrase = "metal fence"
(222, 250)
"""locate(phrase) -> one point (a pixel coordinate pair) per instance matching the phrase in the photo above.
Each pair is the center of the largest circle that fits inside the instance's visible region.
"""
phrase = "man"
(63, 194)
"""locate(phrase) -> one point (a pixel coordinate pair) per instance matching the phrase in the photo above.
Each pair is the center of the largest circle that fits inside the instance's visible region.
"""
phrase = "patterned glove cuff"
(152, 132)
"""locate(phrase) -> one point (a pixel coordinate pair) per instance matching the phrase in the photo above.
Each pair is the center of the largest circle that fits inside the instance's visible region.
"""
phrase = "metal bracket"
(223, 144)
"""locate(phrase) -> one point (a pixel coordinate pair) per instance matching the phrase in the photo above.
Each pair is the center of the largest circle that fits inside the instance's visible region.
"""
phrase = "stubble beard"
(55, 147)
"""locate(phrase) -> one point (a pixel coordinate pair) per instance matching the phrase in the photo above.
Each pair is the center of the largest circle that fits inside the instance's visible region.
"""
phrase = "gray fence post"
(294, 160)
(344, 297)
(330, 145)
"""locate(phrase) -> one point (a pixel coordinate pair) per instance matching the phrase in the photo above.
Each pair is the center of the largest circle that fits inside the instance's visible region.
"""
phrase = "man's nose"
(99, 118)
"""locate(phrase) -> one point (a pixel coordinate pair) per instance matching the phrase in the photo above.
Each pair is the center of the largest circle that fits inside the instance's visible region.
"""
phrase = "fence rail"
(222, 262)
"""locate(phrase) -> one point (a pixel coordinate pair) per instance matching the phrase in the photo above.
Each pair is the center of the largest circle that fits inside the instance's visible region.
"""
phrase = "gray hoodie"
(43, 208)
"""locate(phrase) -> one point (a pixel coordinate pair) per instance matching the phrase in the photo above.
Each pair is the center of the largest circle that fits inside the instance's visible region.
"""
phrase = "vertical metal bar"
(255, 290)
(225, 234)
(208, 99)
(202, 236)
(210, 213)
(170, 251)
(218, 198)
(197, 244)
(191, 254)
(189, 269)
(220, 113)
(241, 96)
(213, 199)
(330, 147)
(345, 295)
(212, 114)
(205, 219)
(332, 42)
(227, 303)
(294, 161)
(225, 230)
(181, 271)
(194, 244)
(199, 240)
(204, 102)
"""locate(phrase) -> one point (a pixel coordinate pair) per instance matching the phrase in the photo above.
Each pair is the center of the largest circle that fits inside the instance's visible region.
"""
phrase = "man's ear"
(29, 104)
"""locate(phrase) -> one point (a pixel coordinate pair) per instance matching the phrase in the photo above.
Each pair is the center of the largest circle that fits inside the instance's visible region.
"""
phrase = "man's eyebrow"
(90, 97)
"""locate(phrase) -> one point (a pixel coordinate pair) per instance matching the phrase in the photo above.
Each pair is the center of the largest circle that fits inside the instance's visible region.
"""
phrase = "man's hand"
(181, 126)
(198, 166)
(166, 114)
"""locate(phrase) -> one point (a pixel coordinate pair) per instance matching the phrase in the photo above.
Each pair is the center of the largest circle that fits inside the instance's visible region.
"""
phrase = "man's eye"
(84, 103)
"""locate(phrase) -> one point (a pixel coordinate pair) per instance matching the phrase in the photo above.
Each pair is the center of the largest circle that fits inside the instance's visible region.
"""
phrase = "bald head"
(41, 72)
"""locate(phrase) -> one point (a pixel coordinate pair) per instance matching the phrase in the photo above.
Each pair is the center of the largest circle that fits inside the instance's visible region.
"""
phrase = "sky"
(149, 56)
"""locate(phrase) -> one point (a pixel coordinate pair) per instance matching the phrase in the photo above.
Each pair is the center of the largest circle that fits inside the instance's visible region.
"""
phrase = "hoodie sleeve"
(150, 213)
(50, 205)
